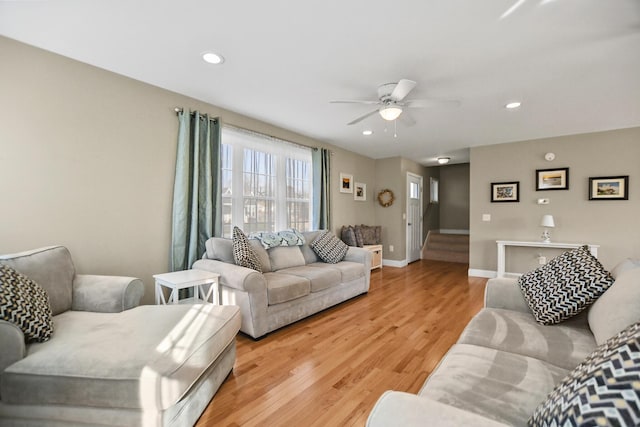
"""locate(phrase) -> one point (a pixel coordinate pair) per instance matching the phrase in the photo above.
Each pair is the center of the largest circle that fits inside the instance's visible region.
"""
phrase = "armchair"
(110, 361)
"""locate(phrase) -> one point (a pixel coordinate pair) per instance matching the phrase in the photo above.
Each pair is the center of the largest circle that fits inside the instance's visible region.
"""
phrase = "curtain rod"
(180, 110)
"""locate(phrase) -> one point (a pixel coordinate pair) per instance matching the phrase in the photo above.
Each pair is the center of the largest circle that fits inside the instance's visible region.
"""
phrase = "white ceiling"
(574, 64)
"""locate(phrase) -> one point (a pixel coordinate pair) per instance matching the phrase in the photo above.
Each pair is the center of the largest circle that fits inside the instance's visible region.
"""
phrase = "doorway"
(414, 217)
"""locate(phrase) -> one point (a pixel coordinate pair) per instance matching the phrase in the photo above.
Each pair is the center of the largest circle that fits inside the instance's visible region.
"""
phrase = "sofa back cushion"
(51, 268)
(617, 308)
(220, 249)
(262, 255)
(285, 257)
(309, 254)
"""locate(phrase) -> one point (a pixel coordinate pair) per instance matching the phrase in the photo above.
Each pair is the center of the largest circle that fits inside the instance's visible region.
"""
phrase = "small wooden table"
(376, 259)
(502, 244)
(196, 279)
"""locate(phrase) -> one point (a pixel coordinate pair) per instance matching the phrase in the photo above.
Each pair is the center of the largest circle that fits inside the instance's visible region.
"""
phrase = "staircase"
(446, 247)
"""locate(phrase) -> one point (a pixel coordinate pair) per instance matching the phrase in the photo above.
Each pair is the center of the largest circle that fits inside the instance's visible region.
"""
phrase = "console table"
(502, 244)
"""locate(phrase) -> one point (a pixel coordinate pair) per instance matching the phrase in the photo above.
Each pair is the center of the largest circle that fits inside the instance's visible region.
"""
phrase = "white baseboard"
(394, 263)
(474, 272)
(453, 231)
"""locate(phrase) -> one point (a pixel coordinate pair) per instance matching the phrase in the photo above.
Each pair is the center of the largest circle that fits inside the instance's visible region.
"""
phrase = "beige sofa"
(505, 364)
(294, 283)
(108, 361)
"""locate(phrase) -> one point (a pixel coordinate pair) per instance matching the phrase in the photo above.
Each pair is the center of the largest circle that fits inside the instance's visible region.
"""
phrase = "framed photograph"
(552, 179)
(505, 192)
(346, 183)
(609, 188)
(360, 191)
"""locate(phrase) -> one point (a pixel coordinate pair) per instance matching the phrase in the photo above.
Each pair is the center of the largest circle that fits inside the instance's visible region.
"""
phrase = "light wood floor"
(329, 369)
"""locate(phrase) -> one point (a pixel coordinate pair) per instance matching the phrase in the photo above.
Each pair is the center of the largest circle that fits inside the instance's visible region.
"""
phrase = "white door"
(414, 216)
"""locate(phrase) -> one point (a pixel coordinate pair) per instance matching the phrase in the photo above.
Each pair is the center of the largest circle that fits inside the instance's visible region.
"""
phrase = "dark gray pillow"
(329, 248)
(602, 390)
(564, 287)
(348, 235)
(359, 238)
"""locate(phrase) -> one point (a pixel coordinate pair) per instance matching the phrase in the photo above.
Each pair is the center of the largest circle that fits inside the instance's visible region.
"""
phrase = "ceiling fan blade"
(426, 103)
(361, 118)
(407, 119)
(402, 89)
(354, 101)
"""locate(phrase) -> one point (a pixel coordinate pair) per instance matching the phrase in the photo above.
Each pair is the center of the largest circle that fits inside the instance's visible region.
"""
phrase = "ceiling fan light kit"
(390, 112)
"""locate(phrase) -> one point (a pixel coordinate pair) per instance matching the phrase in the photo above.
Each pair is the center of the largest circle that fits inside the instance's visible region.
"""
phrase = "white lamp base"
(546, 236)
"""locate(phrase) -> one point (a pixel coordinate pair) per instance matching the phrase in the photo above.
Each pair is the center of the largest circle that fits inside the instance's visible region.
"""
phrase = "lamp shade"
(390, 112)
(547, 221)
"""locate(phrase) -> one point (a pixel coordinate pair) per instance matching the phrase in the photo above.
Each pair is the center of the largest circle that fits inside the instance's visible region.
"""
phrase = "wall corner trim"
(395, 263)
(474, 272)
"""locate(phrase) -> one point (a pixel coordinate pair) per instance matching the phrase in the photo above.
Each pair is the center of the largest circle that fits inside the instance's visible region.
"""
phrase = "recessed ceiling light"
(367, 132)
(212, 58)
(513, 105)
(444, 160)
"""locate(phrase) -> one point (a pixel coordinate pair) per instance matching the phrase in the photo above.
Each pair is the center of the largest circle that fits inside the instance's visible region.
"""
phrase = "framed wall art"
(346, 183)
(552, 179)
(359, 191)
(609, 188)
(505, 192)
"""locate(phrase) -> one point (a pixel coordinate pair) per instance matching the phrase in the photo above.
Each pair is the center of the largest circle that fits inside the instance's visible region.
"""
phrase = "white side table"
(502, 244)
(196, 279)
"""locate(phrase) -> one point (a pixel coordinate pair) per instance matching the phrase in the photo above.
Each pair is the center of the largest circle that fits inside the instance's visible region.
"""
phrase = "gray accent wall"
(611, 224)
(454, 197)
(87, 160)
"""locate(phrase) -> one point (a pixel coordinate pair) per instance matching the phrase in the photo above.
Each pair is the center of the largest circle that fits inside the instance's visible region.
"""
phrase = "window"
(266, 183)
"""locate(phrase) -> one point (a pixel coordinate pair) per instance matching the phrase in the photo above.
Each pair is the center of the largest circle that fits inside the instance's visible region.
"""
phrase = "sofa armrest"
(106, 294)
(12, 346)
(395, 408)
(234, 276)
(356, 254)
(505, 293)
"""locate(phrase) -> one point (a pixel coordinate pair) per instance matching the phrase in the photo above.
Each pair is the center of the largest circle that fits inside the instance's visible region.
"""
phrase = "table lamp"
(547, 222)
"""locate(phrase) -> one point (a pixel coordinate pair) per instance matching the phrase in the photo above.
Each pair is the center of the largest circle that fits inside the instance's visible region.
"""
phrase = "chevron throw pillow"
(243, 253)
(564, 287)
(329, 248)
(25, 304)
(604, 390)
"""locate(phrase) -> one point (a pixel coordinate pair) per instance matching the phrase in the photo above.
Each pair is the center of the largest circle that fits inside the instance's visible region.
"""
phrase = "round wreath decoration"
(386, 198)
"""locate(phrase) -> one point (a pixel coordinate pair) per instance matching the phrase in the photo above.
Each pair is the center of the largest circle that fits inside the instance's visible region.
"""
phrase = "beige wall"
(454, 197)
(611, 224)
(87, 160)
(347, 211)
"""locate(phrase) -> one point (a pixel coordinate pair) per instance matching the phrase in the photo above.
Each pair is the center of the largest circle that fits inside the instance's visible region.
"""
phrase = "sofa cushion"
(329, 248)
(357, 230)
(285, 257)
(499, 385)
(285, 287)
(309, 255)
(243, 253)
(25, 304)
(624, 265)
(603, 390)
(261, 253)
(50, 268)
(371, 235)
(219, 249)
(348, 270)
(95, 360)
(320, 278)
(617, 308)
(564, 345)
(564, 287)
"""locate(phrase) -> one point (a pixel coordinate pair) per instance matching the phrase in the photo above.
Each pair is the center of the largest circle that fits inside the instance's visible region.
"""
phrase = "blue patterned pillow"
(269, 239)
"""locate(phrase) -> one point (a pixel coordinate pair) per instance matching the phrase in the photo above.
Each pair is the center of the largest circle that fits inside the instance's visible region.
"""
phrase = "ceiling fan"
(391, 101)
